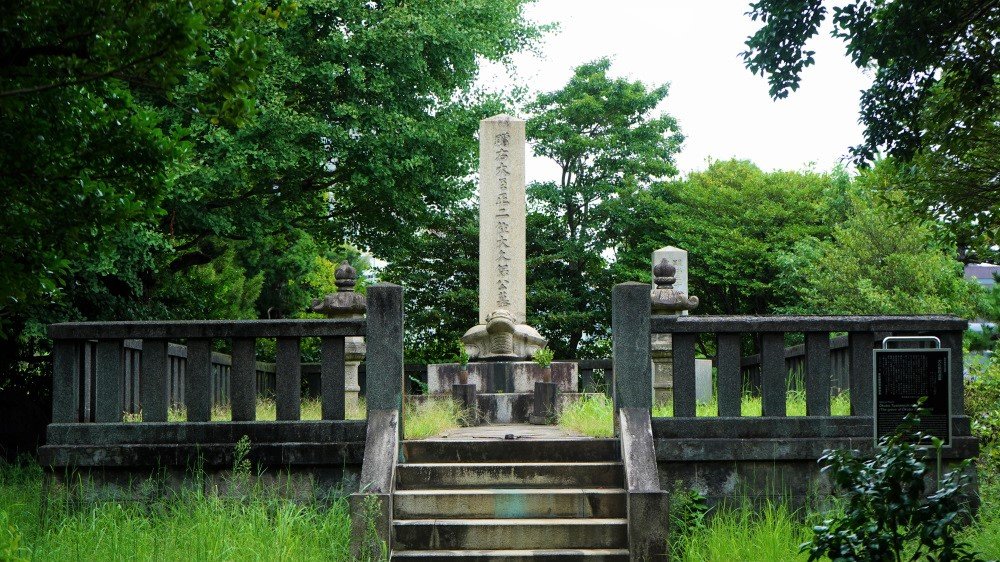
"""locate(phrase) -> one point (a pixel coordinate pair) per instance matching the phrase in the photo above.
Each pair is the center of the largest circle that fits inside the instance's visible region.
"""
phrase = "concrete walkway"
(510, 431)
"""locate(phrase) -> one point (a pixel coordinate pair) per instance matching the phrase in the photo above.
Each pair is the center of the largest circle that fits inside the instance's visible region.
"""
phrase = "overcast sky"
(724, 111)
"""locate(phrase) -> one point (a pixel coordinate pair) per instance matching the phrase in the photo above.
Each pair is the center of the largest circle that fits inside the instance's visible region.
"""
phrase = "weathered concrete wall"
(299, 483)
(311, 458)
(757, 459)
(496, 376)
(507, 408)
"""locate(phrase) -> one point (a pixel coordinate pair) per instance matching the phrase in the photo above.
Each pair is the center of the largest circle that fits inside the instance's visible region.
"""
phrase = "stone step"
(489, 534)
(591, 555)
(412, 476)
(509, 504)
(524, 450)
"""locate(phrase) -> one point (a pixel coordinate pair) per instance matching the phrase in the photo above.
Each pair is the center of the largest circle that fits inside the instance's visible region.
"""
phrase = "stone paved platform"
(519, 431)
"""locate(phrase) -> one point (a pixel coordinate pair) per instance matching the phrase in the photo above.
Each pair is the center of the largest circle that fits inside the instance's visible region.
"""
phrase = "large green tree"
(913, 48)
(735, 221)
(363, 132)
(881, 259)
(440, 272)
(81, 154)
(609, 140)
(933, 105)
(166, 159)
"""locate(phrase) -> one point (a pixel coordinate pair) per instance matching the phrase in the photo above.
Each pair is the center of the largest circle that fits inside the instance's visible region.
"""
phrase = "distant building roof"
(982, 272)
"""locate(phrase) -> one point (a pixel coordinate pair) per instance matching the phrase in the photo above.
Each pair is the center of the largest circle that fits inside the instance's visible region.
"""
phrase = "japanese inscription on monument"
(501, 217)
(501, 156)
(904, 376)
(501, 331)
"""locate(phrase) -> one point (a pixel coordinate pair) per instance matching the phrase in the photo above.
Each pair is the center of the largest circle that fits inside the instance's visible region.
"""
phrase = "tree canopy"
(917, 51)
(609, 140)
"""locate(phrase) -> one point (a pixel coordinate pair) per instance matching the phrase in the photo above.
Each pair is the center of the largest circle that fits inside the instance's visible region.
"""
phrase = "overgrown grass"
(771, 532)
(186, 525)
(795, 405)
(312, 409)
(592, 415)
(431, 417)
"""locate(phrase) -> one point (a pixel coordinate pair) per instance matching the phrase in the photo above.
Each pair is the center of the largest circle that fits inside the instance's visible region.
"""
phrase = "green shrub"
(887, 511)
(688, 515)
(982, 405)
(543, 357)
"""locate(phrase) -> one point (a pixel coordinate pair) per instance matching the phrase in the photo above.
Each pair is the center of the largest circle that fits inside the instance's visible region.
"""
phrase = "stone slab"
(939, 323)
(502, 261)
(505, 376)
(703, 380)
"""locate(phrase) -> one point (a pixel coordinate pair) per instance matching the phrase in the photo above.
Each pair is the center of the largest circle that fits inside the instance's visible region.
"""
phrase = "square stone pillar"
(662, 354)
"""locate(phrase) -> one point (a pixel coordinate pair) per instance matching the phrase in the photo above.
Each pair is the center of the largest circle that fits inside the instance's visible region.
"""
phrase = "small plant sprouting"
(543, 357)
(688, 512)
(241, 462)
(463, 355)
(373, 547)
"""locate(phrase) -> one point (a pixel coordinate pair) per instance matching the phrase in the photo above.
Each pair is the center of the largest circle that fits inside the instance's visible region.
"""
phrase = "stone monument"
(669, 296)
(501, 333)
(501, 344)
(346, 303)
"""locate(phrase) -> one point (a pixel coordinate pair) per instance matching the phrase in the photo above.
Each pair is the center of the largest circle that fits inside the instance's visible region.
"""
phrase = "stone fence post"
(346, 303)
(385, 354)
(630, 313)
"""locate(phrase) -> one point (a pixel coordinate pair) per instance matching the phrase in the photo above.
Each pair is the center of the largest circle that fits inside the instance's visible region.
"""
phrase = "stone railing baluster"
(332, 383)
(817, 373)
(243, 398)
(288, 383)
(861, 344)
(109, 375)
(773, 376)
(66, 381)
(730, 383)
(154, 391)
(197, 380)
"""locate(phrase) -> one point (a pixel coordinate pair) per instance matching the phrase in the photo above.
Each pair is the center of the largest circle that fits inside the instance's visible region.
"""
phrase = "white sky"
(724, 111)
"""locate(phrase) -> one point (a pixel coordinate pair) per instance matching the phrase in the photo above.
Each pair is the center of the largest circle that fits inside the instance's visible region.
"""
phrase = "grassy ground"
(260, 524)
(592, 415)
(431, 417)
(188, 525)
(312, 409)
(772, 532)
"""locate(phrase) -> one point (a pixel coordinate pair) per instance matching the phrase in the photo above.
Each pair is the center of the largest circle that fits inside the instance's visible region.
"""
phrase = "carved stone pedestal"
(354, 353)
(465, 396)
(663, 367)
(544, 412)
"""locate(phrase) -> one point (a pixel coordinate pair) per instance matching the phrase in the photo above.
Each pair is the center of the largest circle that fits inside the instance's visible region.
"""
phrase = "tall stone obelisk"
(501, 332)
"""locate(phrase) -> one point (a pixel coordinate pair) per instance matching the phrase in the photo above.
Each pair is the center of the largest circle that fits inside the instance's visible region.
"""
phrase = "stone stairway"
(510, 500)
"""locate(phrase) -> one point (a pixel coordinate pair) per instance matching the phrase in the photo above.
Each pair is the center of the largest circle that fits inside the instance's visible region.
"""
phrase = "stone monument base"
(520, 342)
(507, 408)
(502, 376)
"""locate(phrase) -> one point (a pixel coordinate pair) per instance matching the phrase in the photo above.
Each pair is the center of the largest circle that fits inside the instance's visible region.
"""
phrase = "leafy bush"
(543, 357)
(982, 405)
(886, 511)
(688, 514)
